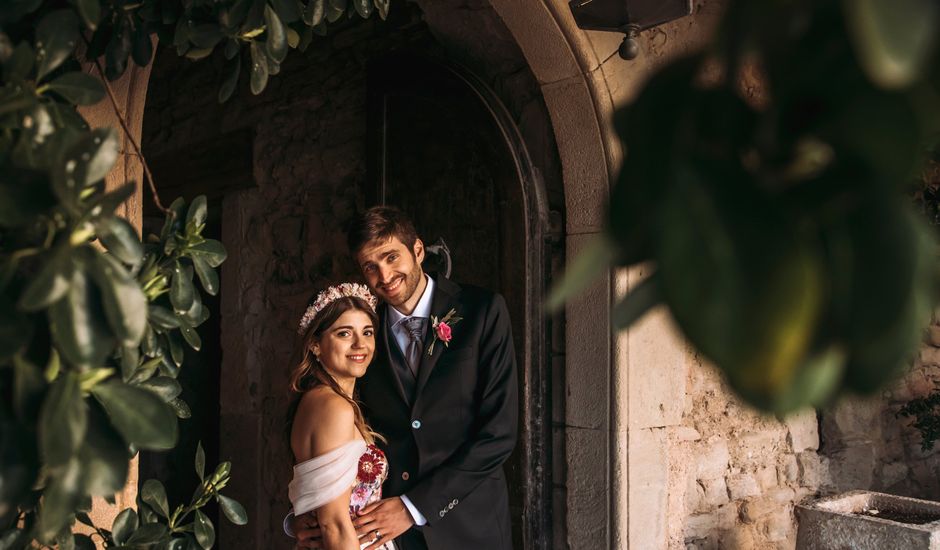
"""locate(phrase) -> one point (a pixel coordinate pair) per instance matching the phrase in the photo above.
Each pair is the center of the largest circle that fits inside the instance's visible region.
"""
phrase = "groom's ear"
(419, 251)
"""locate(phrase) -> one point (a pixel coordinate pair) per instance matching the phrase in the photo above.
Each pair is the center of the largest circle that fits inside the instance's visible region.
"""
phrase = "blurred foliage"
(93, 322)
(780, 225)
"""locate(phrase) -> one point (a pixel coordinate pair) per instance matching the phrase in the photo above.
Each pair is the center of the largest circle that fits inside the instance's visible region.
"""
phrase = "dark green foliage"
(784, 240)
(926, 414)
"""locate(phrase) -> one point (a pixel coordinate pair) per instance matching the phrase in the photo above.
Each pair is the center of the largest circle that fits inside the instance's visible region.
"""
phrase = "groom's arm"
(496, 424)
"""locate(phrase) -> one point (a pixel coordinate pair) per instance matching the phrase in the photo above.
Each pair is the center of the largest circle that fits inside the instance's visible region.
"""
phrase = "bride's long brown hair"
(309, 373)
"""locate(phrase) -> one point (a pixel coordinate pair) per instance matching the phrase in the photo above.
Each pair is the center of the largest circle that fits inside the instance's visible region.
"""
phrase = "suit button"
(405, 476)
(416, 424)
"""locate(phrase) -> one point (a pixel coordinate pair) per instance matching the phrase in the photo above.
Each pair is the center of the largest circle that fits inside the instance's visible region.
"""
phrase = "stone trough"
(865, 520)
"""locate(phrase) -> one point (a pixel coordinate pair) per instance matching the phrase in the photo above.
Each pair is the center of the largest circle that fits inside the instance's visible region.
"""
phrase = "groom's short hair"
(381, 223)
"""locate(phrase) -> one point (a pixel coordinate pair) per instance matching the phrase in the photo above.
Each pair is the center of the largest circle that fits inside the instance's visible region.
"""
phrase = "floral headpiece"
(328, 296)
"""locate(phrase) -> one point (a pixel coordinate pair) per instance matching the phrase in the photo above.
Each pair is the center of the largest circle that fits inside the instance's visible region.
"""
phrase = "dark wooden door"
(444, 150)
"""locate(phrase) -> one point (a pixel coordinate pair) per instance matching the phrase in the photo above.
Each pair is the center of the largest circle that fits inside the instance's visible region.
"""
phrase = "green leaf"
(313, 15)
(211, 250)
(154, 494)
(637, 303)
(121, 240)
(15, 329)
(147, 534)
(21, 63)
(28, 388)
(90, 10)
(104, 458)
(591, 263)
(163, 318)
(191, 337)
(176, 348)
(363, 8)
(142, 47)
(164, 387)
(124, 526)
(86, 162)
(124, 303)
(234, 511)
(383, 7)
(79, 324)
(182, 292)
(145, 371)
(206, 36)
(207, 275)
(276, 43)
(63, 421)
(259, 69)
(196, 215)
(205, 532)
(200, 461)
(287, 10)
(52, 281)
(335, 9)
(233, 69)
(64, 539)
(141, 417)
(59, 500)
(130, 358)
(56, 38)
(894, 39)
(118, 51)
(78, 88)
(181, 408)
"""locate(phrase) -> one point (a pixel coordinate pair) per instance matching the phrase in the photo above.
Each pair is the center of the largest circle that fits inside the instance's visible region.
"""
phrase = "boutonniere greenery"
(442, 328)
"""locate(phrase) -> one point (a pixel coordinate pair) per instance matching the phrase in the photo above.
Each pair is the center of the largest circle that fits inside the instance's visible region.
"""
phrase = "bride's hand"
(383, 521)
(307, 529)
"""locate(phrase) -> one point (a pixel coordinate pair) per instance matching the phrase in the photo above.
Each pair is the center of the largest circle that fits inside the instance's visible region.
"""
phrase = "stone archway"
(592, 439)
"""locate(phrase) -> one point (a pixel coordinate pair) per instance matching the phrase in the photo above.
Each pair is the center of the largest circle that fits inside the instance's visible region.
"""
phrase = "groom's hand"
(388, 516)
(307, 529)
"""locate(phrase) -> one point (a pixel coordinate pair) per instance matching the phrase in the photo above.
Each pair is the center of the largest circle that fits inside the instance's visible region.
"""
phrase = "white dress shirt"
(396, 323)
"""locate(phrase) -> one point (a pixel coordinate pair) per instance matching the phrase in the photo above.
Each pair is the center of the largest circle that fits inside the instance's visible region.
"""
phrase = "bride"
(338, 469)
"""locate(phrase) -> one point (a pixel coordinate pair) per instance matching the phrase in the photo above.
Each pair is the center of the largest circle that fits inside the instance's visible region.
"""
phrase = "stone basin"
(865, 520)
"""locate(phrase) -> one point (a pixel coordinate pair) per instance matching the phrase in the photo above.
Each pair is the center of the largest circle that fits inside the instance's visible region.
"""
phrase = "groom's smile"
(394, 272)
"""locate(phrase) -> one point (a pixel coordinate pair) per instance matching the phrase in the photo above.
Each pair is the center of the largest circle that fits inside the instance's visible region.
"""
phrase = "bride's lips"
(357, 358)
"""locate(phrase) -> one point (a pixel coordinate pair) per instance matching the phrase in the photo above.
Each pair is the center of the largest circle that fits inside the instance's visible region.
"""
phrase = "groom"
(442, 391)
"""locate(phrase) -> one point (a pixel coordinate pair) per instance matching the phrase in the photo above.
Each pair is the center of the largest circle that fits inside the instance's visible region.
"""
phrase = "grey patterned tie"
(414, 326)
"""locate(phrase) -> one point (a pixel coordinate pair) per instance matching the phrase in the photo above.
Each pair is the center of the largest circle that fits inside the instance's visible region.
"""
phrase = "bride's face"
(345, 349)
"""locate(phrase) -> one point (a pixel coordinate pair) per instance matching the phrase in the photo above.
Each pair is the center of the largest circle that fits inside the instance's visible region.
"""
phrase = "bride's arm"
(325, 421)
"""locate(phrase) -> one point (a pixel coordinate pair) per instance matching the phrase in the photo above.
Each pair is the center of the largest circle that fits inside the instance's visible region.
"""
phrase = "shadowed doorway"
(444, 150)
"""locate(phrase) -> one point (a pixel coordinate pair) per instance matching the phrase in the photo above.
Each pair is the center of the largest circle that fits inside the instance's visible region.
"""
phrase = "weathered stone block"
(742, 486)
(803, 430)
(840, 521)
(788, 471)
(712, 462)
(715, 491)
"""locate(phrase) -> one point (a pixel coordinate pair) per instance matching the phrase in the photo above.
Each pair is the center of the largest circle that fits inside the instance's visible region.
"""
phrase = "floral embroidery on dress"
(373, 469)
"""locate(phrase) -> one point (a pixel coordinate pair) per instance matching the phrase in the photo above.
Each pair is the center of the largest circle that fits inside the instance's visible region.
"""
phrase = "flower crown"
(328, 296)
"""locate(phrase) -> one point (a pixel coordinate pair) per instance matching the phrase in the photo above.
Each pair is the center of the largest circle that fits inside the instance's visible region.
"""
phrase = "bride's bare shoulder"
(324, 421)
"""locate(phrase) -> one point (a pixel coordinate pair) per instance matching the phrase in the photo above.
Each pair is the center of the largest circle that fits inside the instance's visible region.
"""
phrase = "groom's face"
(391, 269)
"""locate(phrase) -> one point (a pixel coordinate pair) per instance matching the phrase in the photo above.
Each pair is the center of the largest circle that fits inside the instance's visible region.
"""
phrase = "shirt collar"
(423, 309)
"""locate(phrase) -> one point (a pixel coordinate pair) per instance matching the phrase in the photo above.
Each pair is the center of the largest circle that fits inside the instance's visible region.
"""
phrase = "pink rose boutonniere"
(442, 329)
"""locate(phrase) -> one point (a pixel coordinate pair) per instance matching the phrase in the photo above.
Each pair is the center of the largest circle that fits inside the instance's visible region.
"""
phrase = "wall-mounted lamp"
(629, 17)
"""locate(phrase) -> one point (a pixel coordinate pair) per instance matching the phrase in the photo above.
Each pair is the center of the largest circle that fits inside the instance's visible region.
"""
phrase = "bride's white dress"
(357, 465)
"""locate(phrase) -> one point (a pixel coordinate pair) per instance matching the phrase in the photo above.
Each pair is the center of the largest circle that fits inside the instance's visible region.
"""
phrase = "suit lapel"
(444, 299)
(386, 342)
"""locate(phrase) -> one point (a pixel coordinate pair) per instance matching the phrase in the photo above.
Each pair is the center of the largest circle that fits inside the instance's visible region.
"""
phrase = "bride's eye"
(368, 332)
(343, 333)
